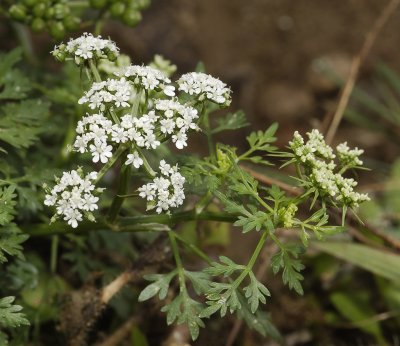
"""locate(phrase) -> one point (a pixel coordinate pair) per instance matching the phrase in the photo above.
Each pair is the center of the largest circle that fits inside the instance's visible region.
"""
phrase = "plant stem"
(26, 42)
(110, 162)
(54, 253)
(122, 189)
(178, 261)
(252, 261)
(206, 123)
(146, 164)
(142, 223)
(195, 249)
(94, 71)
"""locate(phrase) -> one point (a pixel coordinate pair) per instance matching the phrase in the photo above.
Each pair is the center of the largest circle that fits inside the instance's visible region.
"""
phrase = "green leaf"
(185, 310)
(255, 293)
(231, 206)
(232, 121)
(286, 258)
(7, 204)
(255, 221)
(262, 140)
(159, 286)
(375, 261)
(199, 280)
(21, 123)
(258, 321)
(10, 315)
(358, 311)
(10, 242)
(227, 267)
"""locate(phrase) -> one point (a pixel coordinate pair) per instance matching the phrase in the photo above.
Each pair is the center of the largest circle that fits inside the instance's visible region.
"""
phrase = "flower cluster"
(112, 92)
(94, 132)
(152, 118)
(349, 157)
(165, 191)
(205, 87)
(317, 159)
(148, 78)
(177, 119)
(86, 47)
(73, 195)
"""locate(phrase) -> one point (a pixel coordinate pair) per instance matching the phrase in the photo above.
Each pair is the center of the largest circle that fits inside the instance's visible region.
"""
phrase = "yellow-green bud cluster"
(53, 16)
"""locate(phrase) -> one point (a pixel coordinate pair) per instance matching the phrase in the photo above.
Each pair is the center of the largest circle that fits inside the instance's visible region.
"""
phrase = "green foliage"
(232, 121)
(7, 205)
(10, 315)
(286, 259)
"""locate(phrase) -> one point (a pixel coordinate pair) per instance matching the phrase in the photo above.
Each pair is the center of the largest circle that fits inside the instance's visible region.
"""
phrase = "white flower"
(73, 195)
(147, 78)
(205, 87)
(87, 47)
(165, 191)
(109, 93)
(101, 151)
(134, 159)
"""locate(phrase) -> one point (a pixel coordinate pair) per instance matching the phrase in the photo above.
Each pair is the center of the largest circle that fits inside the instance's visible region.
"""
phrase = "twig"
(355, 68)
(121, 333)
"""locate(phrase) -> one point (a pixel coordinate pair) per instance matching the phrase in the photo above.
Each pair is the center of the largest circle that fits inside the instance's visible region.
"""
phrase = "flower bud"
(29, 3)
(71, 23)
(57, 30)
(60, 11)
(117, 9)
(38, 24)
(49, 13)
(60, 53)
(98, 3)
(39, 10)
(18, 12)
(112, 56)
(132, 17)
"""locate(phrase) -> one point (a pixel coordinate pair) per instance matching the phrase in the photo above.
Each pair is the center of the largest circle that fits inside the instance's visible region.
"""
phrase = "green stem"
(252, 261)
(110, 162)
(119, 197)
(207, 130)
(178, 261)
(203, 202)
(195, 249)
(94, 71)
(54, 253)
(26, 42)
(141, 223)
(146, 164)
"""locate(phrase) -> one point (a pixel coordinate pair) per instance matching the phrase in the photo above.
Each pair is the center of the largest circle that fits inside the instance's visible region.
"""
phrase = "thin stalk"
(26, 42)
(142, 223)
(150, 171)
(206, 123)
(122, 189)
(178, 261)
(194, 249)
(252, 261)
(110, 162)
(54, 253)
(94, 71)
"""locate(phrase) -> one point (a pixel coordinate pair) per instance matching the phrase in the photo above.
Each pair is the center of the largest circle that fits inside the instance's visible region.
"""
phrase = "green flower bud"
(60, 11)
(29, 3)
(112, 56)
(38, 24)
(60, 53)
(117, 9)
(132, 17)
(49, 13)
(18, 12)
(39, 10)
(142, 4)
(98, 3)
(72, 23)
(57, 30)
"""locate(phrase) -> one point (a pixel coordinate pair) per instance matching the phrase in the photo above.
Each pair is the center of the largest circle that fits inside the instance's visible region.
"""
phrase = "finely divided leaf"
(159, 286)
(10, 315)
(256, 293)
